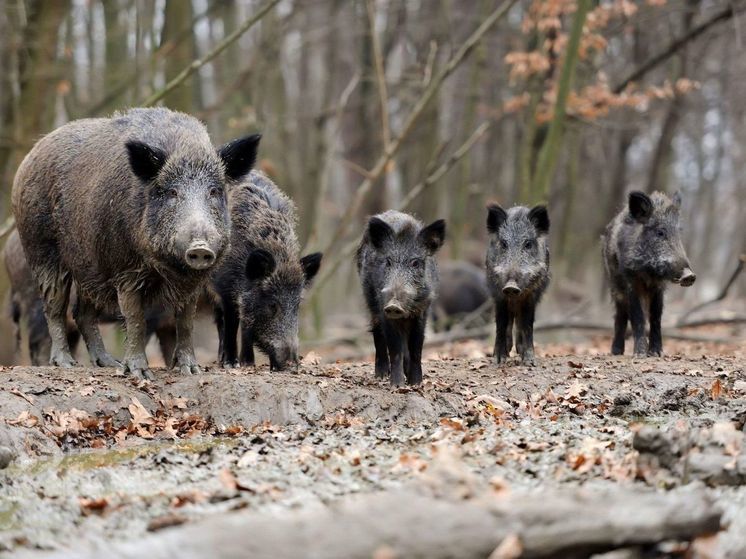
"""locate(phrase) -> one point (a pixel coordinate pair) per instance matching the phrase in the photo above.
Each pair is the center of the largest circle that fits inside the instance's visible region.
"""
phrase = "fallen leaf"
(311, 358)
(140, 415)
(716, 389)
(87, 391)
(92, 506)
(510, 548)
(20, 394)
(229, 481)
(24, 419)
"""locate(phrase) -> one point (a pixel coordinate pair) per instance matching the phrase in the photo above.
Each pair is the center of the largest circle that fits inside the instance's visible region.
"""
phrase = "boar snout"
(199, 256)
(284, 357)
(511, 288)
(394, 310)
(687, 278)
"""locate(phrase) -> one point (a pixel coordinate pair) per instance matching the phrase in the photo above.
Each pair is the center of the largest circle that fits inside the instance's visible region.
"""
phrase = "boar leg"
(135, 362)
(395, 345)
(526, 316)
(502, 322)
(382, 352)
(55, 288)
(184, 359)
(416, 340)
(247, 346)
(231, 321)
(621, 318)
(637, 319)
(86, 318)
(656, 312)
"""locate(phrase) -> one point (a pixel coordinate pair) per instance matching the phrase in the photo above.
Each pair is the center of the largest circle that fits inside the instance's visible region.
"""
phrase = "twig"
(672, 48)
(356, 202)
(329, 269)
(219, 48)
(723, 292)
(7, 226)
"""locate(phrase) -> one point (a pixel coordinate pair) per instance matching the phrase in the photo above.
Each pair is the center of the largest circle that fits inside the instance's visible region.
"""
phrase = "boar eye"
(172, 193)
(504, 244)
(661, 233)
(388, 262)
(416, 262)
(528, 245)
(214, 192)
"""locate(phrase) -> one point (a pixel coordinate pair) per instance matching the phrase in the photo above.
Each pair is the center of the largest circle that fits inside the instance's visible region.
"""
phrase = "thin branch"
(722, 295)
(355, 204)
(675, 45)
(219, 48)
(380, 73)
(329, 269)
(7, 226)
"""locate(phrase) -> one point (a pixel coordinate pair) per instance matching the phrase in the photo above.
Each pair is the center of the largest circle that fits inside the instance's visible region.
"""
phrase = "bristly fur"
(112, 205)
(642, 251)
(266, 304)
(399, 273)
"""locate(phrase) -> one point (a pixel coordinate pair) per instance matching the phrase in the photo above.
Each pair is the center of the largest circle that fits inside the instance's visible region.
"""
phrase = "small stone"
(6, 457)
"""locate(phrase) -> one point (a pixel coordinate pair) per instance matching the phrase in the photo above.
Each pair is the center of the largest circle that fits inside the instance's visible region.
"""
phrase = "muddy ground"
(97, 457)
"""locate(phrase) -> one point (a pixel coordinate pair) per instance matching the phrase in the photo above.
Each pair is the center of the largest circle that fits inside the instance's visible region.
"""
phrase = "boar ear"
(640, 205)
(146, 161)
(239, 156)
(260, 264)
(676, 199)
(496, 216)
(433, 235)
(379, 231)
(311, 264)
(540, 218)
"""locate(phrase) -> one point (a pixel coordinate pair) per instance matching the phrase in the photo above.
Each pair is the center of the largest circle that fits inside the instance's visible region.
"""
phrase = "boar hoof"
(137, 367)
(655, 353)
(187, 364)
(104, 360)
(617, 350)
(382, 372)
(62, 359)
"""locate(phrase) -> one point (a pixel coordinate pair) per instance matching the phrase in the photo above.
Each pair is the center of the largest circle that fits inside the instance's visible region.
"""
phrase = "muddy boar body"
(462, 289)
(399, 275)
(518, 274)
(259, 285)
(27, 308)
(643, 252)
(132, 210)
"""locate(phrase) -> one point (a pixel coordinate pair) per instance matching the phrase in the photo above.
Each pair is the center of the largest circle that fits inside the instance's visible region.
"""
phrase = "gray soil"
(97, 457)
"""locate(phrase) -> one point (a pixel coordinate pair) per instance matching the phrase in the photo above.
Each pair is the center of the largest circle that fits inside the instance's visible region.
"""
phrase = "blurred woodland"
(433, 106)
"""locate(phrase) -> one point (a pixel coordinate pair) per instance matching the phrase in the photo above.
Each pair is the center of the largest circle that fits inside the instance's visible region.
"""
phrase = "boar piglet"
(399, 274)
(259, 285)
(132, 210)
(517, 274)
(642, 251)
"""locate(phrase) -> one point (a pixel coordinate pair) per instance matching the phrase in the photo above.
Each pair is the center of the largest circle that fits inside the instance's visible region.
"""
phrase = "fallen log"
(408, 524)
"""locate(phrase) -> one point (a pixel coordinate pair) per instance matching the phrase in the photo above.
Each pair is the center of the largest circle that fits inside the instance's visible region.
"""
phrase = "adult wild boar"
(132, 209)
(642, 251)
(517, 274)
(399, 274)
(260, 282)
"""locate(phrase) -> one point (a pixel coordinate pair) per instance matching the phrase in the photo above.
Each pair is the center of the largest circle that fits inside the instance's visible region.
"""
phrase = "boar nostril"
(393, 310)
(511, 288)
(199, 256)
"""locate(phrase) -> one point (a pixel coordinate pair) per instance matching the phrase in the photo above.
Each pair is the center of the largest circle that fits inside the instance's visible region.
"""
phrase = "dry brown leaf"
(454, 423)
(716, 389)
(229, 481)
(510, 548)
(140, 415)
(24, 419)
(166, 521)
(87, 391)
(311, 358)
(92, 506)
